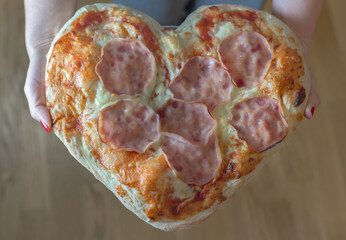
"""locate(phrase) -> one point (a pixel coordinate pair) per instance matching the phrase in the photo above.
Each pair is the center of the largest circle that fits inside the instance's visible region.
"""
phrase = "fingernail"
(45, 126)
(312, 111)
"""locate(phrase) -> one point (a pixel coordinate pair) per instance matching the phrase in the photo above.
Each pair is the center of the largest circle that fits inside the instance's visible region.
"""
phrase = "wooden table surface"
(299, 194)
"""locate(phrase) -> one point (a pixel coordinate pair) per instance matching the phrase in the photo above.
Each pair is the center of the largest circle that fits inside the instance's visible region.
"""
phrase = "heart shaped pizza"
(173, 122)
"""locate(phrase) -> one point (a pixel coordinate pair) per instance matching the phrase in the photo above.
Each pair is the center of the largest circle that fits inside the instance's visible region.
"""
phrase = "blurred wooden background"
(300, 194)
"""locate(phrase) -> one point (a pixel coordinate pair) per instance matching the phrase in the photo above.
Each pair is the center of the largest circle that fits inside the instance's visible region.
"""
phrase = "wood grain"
(300, 194)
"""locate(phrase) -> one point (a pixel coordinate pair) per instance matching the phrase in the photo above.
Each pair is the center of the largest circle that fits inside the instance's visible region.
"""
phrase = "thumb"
(314, 99)
(35, 91)
(44, 117)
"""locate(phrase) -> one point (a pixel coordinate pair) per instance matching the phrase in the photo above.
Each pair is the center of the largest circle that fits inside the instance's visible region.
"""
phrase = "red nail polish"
(45, 126)
(312, 111)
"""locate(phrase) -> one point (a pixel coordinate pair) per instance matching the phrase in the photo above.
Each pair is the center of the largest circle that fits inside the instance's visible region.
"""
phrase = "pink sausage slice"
(259, 122)
(204, 80)
(247, 56)
(192, 164)
(128, 125)
(189, 121)
(126, 67)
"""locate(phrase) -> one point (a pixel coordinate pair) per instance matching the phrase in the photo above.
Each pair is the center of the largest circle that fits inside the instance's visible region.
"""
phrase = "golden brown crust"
(144, 182)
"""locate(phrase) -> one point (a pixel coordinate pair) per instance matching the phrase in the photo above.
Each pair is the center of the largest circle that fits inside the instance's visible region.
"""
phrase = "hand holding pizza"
(43, 18)
(35, 90)
(301, 17)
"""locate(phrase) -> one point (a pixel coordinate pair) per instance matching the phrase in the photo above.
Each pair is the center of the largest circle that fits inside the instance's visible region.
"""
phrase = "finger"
(43, 113)
(35, 92)
(314, 100)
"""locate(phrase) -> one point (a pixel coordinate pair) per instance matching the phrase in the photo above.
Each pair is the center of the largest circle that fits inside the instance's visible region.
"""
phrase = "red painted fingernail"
(45, 126)
(312, 111)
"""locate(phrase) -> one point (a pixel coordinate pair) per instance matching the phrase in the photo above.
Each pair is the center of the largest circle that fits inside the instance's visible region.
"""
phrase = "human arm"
(43, 19)
(301, 16)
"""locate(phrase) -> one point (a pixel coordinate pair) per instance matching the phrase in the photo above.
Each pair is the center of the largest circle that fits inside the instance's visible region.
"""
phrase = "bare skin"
(44, 18)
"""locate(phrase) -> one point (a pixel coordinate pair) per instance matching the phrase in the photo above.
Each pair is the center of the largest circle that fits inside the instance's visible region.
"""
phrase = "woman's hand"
(43, 19)
(314, 99)
(34, 88)
(301, 16)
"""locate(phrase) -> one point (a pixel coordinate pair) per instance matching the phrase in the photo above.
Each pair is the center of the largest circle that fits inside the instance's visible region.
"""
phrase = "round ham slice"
(247, 56)
(189, 121)
(126, 67)
(128, 125)
(259, 122)
(192, 164)
(202, 79)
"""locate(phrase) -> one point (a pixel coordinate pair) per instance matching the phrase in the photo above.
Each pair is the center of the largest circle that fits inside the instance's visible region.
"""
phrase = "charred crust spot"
(175, 210)
(230, 166)
(300, 97)
(238, 175)
(251, 160)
